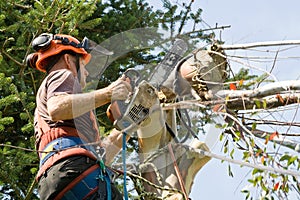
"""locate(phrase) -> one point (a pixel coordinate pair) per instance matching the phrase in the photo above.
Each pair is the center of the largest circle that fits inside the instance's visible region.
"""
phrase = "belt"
(61, 144)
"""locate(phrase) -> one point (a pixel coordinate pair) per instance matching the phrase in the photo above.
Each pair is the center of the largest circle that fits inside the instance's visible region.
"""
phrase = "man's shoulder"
(60, 76)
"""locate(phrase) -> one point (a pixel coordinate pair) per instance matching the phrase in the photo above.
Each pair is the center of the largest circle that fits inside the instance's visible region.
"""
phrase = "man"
(65, 126)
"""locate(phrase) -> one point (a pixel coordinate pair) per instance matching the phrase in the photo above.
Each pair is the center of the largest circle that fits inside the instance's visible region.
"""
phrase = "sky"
(250, 21)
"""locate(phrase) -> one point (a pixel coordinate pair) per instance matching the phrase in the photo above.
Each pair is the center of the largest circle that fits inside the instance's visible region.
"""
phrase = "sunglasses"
(42, 43)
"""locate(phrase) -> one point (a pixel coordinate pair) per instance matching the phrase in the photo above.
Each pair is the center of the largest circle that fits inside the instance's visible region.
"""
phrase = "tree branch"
(268, 102)
(269, 89)
(270, 122)
(279, 139)
(260, 44)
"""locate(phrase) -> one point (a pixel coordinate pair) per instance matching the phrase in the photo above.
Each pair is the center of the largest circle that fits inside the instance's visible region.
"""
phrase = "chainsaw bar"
(163, 70)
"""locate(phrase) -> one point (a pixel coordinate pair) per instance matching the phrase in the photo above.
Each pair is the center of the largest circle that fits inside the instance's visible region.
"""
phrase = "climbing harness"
(68, 143)
(89, 183)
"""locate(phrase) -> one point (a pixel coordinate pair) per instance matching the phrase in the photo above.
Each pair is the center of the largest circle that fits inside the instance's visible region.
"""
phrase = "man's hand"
(120, 89)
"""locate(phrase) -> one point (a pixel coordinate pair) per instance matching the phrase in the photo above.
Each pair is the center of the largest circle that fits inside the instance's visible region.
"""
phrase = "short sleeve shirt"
(63, 82)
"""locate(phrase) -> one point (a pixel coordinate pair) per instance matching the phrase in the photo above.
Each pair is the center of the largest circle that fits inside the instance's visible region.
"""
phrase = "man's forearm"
(65, 107)
(113, 144)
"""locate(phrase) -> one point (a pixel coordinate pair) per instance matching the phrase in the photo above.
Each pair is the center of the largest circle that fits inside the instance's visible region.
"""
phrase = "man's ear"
(67, 59)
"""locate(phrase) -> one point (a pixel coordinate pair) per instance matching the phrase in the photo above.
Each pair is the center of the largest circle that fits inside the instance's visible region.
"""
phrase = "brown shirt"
(62, 82)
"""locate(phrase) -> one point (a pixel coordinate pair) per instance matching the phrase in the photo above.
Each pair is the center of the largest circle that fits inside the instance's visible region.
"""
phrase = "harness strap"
(87, 184)
(61, 144)
(81, 187)
(178, 172)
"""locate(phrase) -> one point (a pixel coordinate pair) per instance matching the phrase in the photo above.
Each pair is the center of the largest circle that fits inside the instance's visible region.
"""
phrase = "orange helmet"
(48, 45)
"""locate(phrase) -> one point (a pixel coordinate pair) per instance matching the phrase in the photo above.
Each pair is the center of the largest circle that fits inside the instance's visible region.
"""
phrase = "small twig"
(274, 62)
(11, 58)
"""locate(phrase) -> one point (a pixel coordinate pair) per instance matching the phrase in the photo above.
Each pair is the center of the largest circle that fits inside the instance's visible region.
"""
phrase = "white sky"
(251, 21)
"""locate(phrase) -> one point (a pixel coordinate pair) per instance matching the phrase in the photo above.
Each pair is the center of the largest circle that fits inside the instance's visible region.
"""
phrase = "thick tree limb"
(269, 89)
(268, 96)
(241, 103)
(273, 101)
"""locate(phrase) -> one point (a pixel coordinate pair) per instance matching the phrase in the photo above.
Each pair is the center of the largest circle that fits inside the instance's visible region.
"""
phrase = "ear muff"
(42, 42)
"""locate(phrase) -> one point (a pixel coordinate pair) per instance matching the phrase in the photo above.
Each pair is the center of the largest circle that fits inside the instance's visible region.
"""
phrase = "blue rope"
(124, 165)
(108, 187)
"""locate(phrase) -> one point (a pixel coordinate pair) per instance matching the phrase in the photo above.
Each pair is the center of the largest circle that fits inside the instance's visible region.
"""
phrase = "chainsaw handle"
(134, 77)
(117, 108)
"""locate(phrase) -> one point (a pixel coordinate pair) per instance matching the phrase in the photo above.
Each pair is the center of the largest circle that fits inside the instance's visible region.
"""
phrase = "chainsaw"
(128, 114)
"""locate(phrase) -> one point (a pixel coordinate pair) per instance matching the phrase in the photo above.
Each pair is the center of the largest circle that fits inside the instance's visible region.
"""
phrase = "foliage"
(20, 22)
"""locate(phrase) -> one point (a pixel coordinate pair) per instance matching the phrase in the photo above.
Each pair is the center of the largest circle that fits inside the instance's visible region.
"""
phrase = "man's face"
(83, 72)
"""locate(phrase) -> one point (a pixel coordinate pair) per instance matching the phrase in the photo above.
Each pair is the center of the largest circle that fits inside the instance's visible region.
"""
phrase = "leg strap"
(83, 186)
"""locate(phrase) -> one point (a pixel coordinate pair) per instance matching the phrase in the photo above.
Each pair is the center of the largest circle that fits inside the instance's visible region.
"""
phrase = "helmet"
(48, 45)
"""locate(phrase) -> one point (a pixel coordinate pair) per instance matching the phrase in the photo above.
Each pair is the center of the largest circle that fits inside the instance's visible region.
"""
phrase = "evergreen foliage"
(23, 20)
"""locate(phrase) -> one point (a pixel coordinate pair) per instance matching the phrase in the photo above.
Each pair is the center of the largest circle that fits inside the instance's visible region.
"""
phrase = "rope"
(148, 182)
(180, 179)
(202, 152)
(124, 165)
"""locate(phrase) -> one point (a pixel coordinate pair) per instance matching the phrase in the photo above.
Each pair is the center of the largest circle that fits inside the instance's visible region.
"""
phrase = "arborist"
(65, 124)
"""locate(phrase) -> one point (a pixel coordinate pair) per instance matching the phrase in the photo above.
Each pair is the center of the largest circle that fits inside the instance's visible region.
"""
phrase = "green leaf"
(292, 160)
(91, 23)
(285, 157)
(264, 187)
(264, 104)
(257, 103)
(33, 170)
(254, 126)
(7, 120)
(39, 6)
(218, 125)
(230, 171)
(255, 171)
(231, 153)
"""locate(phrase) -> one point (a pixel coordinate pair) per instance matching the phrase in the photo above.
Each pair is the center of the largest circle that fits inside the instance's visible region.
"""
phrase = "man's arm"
(113, 144)
(69, 106)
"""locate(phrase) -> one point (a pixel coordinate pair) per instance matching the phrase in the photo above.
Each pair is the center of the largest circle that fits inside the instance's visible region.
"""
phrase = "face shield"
(99, 57)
